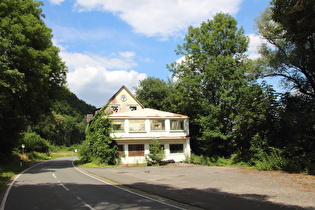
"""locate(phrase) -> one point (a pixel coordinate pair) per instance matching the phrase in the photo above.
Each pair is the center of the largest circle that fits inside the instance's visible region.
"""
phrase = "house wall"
(124, 101)
(176, 157)
(166, 137)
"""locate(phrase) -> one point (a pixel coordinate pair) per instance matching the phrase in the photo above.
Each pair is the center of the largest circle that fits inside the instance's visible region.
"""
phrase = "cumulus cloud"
(96, 85)
(161, 18)
(94, 78)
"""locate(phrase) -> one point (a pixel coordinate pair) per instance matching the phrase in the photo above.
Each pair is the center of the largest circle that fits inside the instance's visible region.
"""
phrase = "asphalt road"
(56, 184)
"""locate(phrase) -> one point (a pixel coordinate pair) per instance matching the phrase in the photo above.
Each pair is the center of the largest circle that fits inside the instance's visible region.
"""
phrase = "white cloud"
(88, 59)
(90, 79)
(254, 42)
(162, 18)
(96, 85)
(56, 2)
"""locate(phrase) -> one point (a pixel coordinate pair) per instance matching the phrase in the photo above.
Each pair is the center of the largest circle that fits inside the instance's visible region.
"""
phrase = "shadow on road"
(211, 198)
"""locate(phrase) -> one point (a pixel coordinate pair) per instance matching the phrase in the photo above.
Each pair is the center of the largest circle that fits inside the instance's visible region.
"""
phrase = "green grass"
(9, 169)
(78, 163)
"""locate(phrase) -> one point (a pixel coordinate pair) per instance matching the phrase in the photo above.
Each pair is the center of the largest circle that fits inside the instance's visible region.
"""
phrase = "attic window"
(133, 107)
(114, 108)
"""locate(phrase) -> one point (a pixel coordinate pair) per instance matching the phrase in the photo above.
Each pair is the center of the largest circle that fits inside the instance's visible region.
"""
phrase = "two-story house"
(134, 128)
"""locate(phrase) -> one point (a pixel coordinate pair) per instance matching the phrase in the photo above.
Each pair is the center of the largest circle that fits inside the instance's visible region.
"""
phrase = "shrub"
(34, 143)
(270, 160)
(156, 155)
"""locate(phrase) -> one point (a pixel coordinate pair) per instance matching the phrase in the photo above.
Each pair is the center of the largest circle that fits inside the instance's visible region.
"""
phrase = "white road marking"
(11, 184)
(85, 204)
(143, 196)
(54, 175)
(63, 186)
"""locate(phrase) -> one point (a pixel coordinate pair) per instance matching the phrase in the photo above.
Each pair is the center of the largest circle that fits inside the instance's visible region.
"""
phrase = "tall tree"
(289, 26)
(31, 70)
(214, 90)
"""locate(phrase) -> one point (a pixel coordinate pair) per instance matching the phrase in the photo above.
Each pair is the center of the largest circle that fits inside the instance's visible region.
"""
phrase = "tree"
(156, 155)
(31, 70)
(152, 93)
(99, 146)
(210, 79)
(289, 25)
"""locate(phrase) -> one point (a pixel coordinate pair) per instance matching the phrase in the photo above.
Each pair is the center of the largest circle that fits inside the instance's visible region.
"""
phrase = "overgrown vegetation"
(99, 146)
(233, 118)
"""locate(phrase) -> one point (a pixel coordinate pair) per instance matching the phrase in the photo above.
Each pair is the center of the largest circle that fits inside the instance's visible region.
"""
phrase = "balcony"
(152, 128)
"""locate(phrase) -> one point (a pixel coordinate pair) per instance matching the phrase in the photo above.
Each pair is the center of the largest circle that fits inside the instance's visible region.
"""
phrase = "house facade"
(134, 132)
(135, 127)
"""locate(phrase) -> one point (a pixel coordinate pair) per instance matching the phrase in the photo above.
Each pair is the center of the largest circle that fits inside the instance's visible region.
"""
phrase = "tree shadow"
(212, 198)
(49, 165)
(76, 196)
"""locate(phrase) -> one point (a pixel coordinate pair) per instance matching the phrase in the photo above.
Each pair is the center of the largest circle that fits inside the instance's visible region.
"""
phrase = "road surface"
(56, 184)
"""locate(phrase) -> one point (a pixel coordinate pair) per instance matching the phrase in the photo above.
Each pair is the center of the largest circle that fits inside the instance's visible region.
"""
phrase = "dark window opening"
(176, 148)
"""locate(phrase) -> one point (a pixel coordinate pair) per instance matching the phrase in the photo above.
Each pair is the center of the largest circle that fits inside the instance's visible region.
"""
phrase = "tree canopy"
(31, 71)
(289, 27)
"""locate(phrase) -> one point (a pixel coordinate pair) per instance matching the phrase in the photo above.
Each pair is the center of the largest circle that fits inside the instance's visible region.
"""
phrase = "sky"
(109, 43)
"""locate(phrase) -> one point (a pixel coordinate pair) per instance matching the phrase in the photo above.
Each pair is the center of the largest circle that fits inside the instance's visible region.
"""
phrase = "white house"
(135, 130)
(135, 127)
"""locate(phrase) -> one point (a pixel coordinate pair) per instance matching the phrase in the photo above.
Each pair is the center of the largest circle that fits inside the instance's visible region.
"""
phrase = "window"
(136, 149)
(118, 125)
(157, 125)
(114, 108)
(121, 150)
(177, 124)
(137, 125)
(176, 148)
(133, 107)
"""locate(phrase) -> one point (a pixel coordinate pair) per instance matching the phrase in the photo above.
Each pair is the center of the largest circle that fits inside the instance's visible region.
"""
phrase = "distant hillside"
(71, 105)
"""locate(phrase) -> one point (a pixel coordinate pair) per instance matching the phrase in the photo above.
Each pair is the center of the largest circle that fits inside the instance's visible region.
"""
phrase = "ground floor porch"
(135, 151)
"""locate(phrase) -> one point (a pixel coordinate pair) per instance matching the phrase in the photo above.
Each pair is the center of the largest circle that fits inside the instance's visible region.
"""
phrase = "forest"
(234, 114)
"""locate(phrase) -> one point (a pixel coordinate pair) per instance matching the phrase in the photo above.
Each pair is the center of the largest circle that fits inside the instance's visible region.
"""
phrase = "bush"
(270, 161)
(156, 155)
(34, 143)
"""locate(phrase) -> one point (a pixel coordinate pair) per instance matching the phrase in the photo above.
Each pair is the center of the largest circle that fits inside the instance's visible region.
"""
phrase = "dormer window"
(133, 107)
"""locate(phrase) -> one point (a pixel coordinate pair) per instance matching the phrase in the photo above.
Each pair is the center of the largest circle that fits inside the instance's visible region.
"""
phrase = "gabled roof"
(123, 87)
(147, 113)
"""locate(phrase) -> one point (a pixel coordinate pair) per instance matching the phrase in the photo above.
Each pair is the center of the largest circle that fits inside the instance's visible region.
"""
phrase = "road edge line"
(143, 196)
(11, 184)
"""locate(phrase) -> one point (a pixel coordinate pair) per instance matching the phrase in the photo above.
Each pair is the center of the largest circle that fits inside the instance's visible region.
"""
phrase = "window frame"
(177, 151)
(142, 130)
(182, 123)
(162, 123)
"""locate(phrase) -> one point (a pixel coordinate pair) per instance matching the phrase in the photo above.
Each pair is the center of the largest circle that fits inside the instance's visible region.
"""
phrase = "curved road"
(56, 184)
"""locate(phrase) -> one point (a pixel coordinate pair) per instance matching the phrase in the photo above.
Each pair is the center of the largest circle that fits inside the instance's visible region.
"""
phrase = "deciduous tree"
(31, 70)
(289, 28)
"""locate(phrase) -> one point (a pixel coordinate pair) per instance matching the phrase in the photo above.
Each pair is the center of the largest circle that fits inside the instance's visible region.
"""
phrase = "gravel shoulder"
(217, 187)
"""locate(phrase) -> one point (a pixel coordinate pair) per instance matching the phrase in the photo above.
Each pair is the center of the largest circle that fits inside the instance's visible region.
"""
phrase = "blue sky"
(110, 43)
